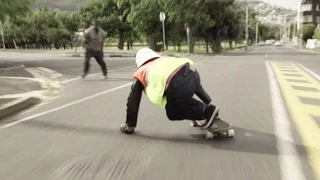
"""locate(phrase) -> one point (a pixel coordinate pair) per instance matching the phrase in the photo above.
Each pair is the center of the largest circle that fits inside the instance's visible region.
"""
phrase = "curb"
(24, 101)
(12, 68)
(308, 51)
(17, 106)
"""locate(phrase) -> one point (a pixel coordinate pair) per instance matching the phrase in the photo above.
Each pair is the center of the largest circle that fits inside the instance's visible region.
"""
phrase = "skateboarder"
(169, 83)
(93, 43)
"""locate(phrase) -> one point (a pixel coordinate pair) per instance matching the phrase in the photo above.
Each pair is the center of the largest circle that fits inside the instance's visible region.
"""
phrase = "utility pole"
(300, 23)
(257, 32)
(1, 27)
(294, 29)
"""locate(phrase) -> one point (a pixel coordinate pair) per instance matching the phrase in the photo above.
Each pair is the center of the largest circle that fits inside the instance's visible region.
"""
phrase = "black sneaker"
(211, 114)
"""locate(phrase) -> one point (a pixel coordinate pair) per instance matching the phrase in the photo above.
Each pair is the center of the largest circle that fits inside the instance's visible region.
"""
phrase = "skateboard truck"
(219, 128)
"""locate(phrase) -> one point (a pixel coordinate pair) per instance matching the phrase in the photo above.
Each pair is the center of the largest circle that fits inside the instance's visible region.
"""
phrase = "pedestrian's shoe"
(126, 129)
(105, 77)
(83, 76)
(211, 114)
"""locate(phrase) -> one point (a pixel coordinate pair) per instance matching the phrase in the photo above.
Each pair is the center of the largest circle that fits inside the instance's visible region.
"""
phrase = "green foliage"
(317, 34)
(307, 31)
(14, 8)
(267, 32)
(129, 21)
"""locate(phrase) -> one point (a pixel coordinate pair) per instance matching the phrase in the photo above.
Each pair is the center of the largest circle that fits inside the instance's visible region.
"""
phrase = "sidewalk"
(12, 99)
(16, 54)
(45, 53)
(19, 90)
(314, 51)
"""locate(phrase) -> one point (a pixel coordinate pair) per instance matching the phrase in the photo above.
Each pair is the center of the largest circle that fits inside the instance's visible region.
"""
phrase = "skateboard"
(219, 128)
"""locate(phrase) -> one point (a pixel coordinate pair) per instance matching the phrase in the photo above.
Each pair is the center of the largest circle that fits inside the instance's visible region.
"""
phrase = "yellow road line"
(313, 110)
(307, 94)
(308, 85)
(306, 125)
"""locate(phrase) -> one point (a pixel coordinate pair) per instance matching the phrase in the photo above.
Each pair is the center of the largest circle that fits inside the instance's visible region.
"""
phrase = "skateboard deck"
(219, 128)
(219, 125)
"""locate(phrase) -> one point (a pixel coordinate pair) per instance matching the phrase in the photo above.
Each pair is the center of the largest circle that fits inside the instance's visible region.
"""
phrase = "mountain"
(271, 14)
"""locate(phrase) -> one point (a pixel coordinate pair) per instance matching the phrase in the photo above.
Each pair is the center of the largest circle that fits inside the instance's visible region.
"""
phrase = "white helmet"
(144, 55)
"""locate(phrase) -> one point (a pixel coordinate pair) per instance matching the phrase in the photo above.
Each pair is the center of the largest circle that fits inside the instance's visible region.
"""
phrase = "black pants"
(180, 102)
(98, 55)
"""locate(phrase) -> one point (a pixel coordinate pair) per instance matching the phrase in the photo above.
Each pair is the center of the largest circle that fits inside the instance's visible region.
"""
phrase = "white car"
(269, 42)
(278, 43)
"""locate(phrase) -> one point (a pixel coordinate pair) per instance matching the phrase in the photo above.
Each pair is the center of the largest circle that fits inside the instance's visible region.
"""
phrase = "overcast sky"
(292, 4)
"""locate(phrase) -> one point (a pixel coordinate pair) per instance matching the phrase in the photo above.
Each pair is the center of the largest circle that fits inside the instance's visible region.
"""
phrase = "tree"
(226, 23)
(14, 8)
(113, 15)
(317, 34)
(40, 29)
(144, 17)
(308, 31)
(192, 14)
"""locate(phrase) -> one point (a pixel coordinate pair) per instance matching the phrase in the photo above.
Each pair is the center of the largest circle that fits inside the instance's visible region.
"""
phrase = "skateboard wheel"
(231, 133)
(195, 124)
(209, 135)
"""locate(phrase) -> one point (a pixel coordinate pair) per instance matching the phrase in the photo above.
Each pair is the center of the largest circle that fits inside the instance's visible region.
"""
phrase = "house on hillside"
(310, 11)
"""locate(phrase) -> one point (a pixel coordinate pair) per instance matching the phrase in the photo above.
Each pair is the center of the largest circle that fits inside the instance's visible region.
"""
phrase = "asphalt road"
(76, 135)
(69, 67)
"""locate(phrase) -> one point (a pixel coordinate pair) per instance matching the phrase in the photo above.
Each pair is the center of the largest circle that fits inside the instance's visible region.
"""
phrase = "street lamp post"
(188, 36)
(162, 18)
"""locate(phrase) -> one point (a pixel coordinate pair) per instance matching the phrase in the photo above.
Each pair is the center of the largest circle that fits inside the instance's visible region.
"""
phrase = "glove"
(126, 129)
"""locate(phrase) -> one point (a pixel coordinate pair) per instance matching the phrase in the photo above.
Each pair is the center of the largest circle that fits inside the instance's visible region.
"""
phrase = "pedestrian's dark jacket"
(93, 40)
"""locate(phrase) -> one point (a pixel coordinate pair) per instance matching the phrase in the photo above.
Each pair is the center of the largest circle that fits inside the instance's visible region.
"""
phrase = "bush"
(317, 34)
(308, 31)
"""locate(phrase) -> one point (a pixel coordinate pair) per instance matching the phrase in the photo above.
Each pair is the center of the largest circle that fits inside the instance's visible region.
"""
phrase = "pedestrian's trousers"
(98, 55)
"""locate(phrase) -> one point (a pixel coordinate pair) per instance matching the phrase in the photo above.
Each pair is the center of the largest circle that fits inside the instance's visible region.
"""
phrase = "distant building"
(306, 8)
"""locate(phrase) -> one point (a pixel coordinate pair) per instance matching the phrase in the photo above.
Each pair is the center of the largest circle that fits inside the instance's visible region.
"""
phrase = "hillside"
(60, 4)
(270, 13)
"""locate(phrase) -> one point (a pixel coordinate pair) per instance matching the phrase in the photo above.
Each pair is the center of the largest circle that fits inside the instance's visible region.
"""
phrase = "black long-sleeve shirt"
(133, 103)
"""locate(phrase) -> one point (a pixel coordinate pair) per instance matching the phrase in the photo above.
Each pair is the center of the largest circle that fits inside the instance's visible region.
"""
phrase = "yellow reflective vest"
(154, 77)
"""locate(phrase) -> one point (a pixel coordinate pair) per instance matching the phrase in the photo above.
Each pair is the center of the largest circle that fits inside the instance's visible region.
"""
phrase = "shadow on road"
(244, 141)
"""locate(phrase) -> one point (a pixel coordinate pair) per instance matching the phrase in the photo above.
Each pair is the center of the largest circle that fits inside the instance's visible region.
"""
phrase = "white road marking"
(313, 74)
(43, 73)
(289, 162)
(74, 79)
(63, 107)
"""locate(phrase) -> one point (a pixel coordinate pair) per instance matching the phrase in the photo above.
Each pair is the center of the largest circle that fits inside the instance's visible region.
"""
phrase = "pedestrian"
(169, 83)
(93, 44)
